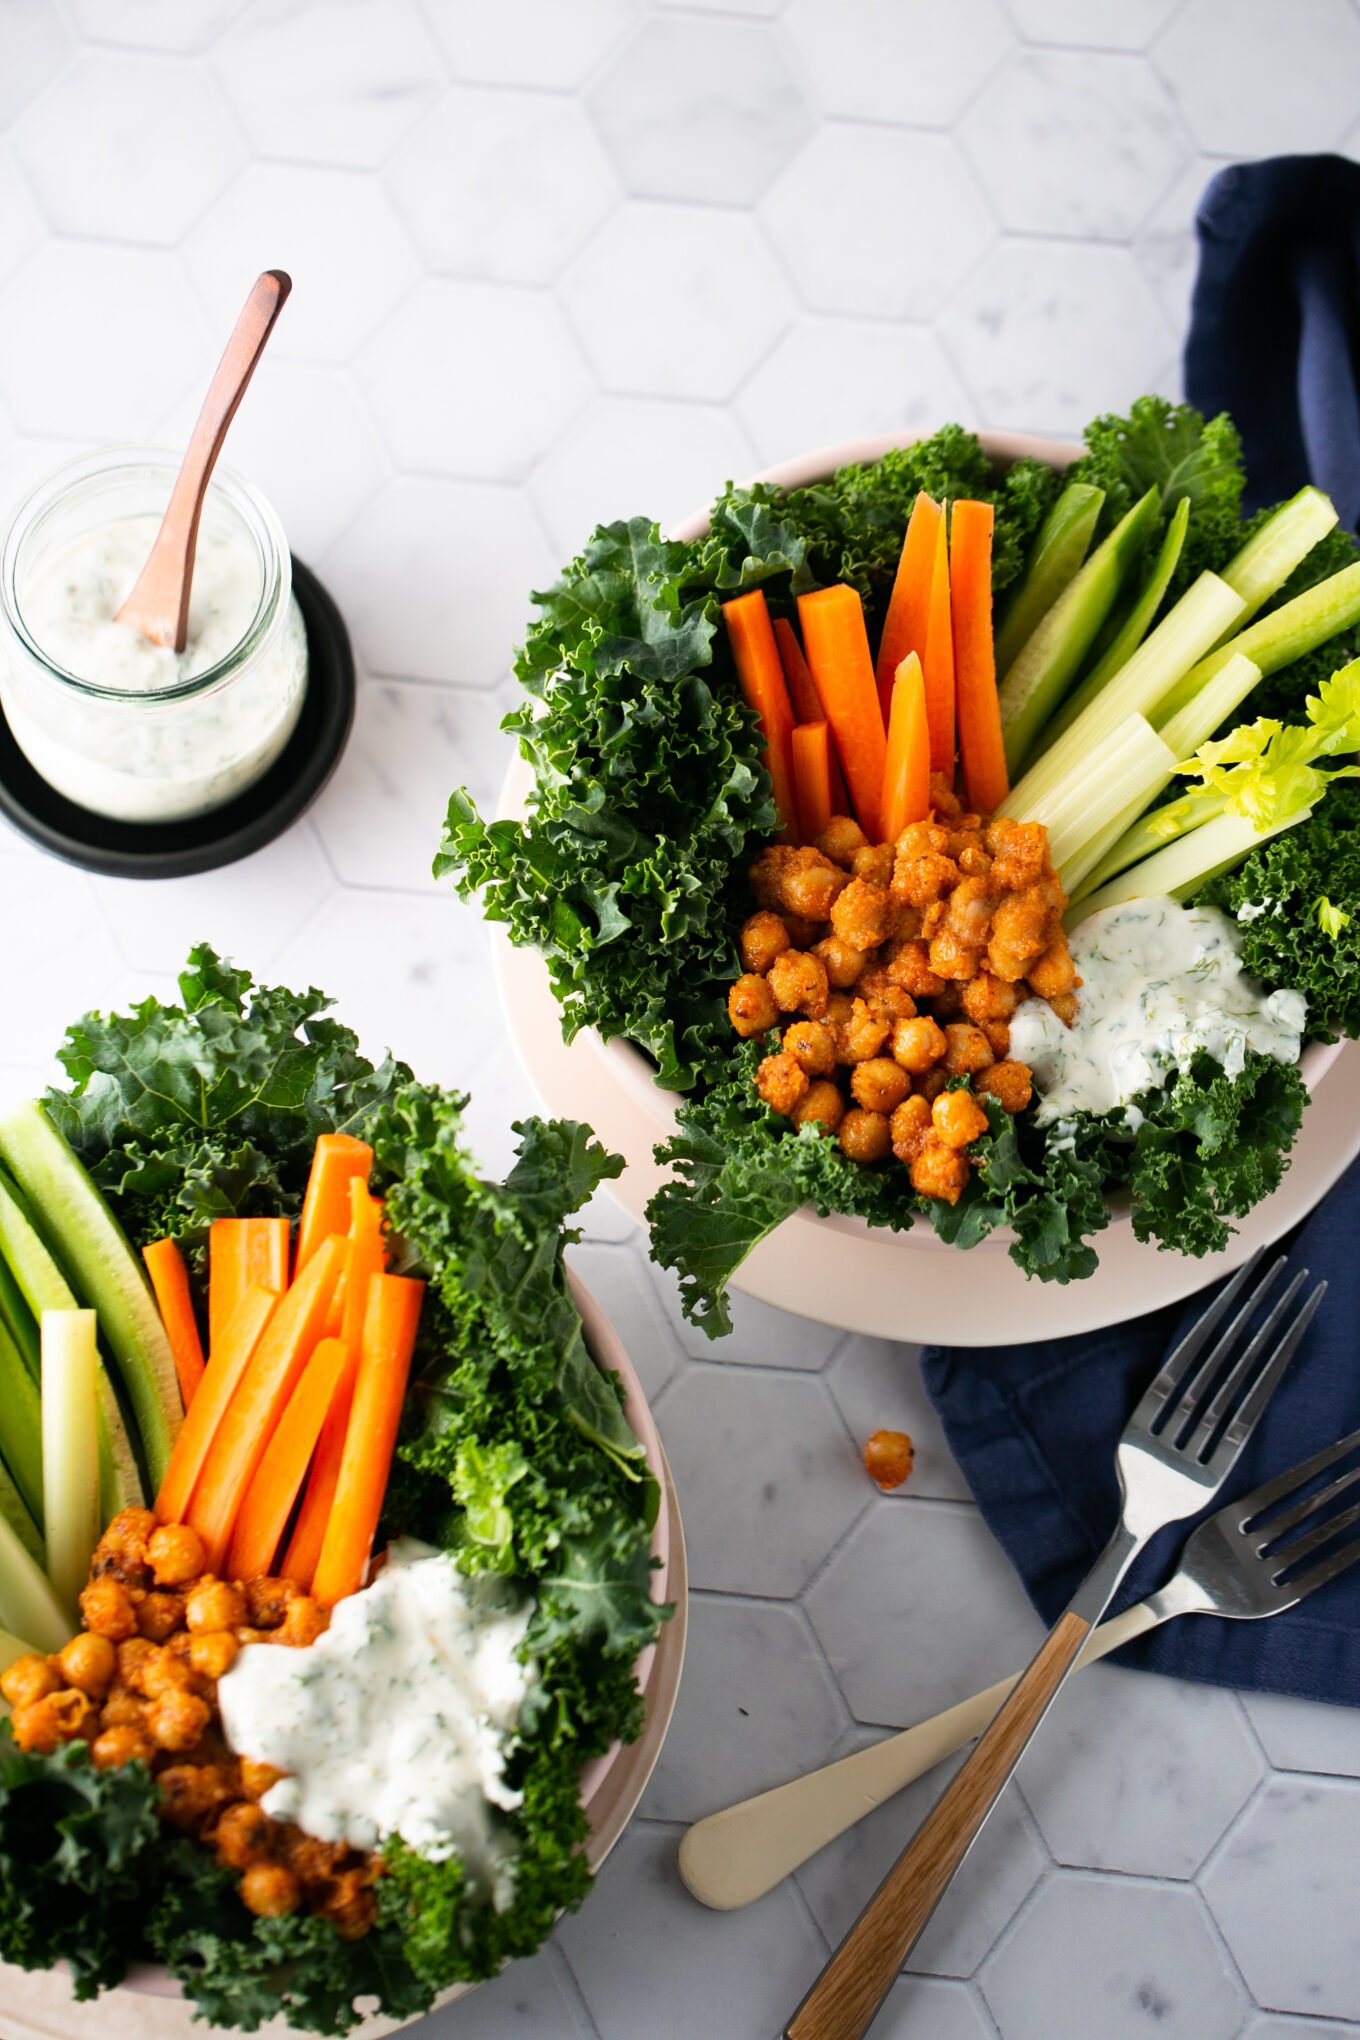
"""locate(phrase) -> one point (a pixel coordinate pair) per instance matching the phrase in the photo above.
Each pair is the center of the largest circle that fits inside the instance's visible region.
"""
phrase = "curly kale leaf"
(1170, 447)
(1048, 1186)
(1276, 895)
(211, 1109)
(1211, 1147)
(77, 1849)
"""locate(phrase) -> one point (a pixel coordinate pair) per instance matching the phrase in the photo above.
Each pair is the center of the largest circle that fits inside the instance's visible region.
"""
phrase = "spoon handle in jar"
(159, 604)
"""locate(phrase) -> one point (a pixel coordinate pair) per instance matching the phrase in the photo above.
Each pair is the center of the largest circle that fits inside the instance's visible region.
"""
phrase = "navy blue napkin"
(1034, 1429)
(1275, 323)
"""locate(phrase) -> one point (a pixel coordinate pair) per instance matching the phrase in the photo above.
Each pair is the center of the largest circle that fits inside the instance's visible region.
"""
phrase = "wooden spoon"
(159, 604)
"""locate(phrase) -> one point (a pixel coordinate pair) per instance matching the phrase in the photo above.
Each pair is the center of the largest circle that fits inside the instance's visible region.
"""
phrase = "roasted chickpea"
(864, 915)
(812, 1046)
(918, 1044)
(762, 938)
(28, 1679)
(885, 994)
(989, 998)
(128, 1534)
(842, 962)
(910, 1124)
(840, 839)
(939, 1171)
(60, 1717)
(1053, 973)
(967, 1049)
(888, 1458)
(944, 802)
(166, 1672)
(910, 968)
(123, 1709)
(865, 1136)
(192, 1792)
(799, 983)
(351, 1905)
(864, 1032)
(932, 1083)
(958, 1118)
(160, 1615)
(1008, 1082)
(998, 1035)
(241, 1836)
(175, 1554)
(257, 1778)
(821, 1105)
(951, 957)
(213, 1652)
(108, 1609)
(810, 884)
(269, 1889)
(267, 1600)
(215, 1604)
(751, 1005)
(873, 862)
(89, 1663)
(880, 1084)
(781, 1083)
(303, 1622)
(133, 1658)
(125, 1744)
(177, 1719)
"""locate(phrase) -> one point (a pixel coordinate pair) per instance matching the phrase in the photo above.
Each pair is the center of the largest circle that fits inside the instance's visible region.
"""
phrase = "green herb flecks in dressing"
(1161, 984)
(395, 1722)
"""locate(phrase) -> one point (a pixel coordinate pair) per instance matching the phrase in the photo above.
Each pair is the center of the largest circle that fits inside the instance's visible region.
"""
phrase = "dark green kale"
(1170, 447)
(1211, 1147)
(1047, 1186)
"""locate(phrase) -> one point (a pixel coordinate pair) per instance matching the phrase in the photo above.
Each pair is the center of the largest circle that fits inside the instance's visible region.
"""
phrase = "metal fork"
(1177, 1449)
(1244, 1562)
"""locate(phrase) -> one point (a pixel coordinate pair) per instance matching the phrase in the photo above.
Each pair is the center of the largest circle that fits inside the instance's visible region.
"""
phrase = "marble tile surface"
(562, 261)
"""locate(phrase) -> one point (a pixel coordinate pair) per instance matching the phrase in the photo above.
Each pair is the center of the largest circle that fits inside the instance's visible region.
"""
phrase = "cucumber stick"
(1280, 636)
(1186, 865)
(1284, 541)
(21, 1426)
(1051, 656)
(70, 1448)
(17, 1319)
(15, 1513)
(1134, 628)
(1063, 542)
(28, 1605)
(44, 1287)
(87, 1239)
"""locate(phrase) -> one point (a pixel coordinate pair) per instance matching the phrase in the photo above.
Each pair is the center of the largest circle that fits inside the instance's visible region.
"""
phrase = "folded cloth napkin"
(1034, 1429)
(1275, 323)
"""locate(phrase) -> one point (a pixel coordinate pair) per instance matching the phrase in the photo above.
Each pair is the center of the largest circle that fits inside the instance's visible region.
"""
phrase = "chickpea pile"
(894, 967)
(140, 1682)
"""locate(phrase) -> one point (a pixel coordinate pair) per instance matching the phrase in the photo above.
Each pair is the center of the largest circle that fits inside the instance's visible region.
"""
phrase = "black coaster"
(263, 811)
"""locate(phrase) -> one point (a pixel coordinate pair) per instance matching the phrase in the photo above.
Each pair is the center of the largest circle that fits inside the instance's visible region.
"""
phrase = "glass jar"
(121, 727)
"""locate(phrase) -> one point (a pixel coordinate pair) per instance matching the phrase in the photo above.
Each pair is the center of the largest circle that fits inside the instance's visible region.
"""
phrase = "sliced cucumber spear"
(17, 1319)
(70, 1446)
(20, 1522)
(1063, 542)
(44, 1287)
(21, 1426)
(1284, 541)
(1132, 631)
(87, 1239)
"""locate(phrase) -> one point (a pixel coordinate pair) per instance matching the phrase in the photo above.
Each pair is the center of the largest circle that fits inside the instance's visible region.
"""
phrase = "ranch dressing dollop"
(395, 1721)
(1161, 984)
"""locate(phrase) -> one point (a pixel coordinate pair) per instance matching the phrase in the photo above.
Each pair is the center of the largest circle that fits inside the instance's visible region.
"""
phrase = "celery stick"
(20, 1522)
(44, 1287)
(1059, 550)
(70, 1444)
(28, 1605)
(1120, 770)
(1148, 833)
(21, 1425)
(1184, 866)
(18, 1319)
(86, 1238)
(1183, 634)
(1039, 675)
(1134, 629)
(1296, 627)
(1221, 696)
(1266, 561)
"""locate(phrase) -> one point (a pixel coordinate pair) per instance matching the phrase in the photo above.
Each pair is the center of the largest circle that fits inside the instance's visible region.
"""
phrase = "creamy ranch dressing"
(1162, 983)
(395, 1721)
(146, 758)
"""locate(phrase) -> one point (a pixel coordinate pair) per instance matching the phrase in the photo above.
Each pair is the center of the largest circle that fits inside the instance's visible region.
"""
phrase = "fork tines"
(1268, 1526)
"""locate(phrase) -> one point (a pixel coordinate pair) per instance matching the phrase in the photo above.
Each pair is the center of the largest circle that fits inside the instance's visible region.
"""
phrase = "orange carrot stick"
(309, 1532)
(229, 1360)
(366, 1259)
(248, 1421)
(170, 1280)
(756, 656)
(904, 627)
(379, 1389)
(937, 663)
(337, 1158)
(269, 1499)
(807, 703)
(906, 776)
(838, 655)
(242, 1251)
(812, 777)
(982, 753)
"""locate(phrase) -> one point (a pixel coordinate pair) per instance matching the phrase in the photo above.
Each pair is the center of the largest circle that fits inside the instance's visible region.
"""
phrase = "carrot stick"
(812, 777)
(366, 1259)
(242, 1251)
(309, 1532)
(229, 1360)
(762, 682)
(379, 1389)
(248, 1421)
(937, 663)
(269, 1499)
(906, 776)
(807, 703)
(982, 753)
(170, 1280)
(904, 627)
(838, 655)
(325, 1209)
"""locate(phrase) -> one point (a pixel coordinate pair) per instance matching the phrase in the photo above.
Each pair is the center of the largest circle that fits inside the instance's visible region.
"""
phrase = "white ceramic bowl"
(149, 2004)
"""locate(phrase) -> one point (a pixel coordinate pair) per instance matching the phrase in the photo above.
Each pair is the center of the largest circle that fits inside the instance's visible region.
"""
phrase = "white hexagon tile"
(558, 262)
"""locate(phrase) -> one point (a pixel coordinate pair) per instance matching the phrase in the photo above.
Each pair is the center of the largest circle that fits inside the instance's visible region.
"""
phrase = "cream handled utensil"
(1242, 1562)
(1176, 1450)
(159, 603)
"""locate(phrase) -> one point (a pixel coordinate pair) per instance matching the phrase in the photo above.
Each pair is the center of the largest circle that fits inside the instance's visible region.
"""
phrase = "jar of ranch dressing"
(123, 727)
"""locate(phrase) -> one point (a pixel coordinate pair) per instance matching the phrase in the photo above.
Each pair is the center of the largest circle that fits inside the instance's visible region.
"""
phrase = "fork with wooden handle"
(1176, 1450)
(1241, 1562)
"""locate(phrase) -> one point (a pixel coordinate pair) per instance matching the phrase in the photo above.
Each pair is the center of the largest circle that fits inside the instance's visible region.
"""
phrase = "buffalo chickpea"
(191, 1791)
(213, 1652)
(812, 1046)
(864, 1032)
(938, 1171)
(125, 1744)
(821, 1105)
(60, 1717)
(123, 1709)
(932, 1083)
(88, 1663)
(257, 1778)
(909, 1124)
(888, 1458)
(762, 938)
(864, 915)
(882, 992)
(880, 1084)
(865, 1136)
(28, 1679)
(241, 1836)
(1009, 1083)
(966, 1049)
(215, 1604)
(175, 1554)
(840, 839)
(781, 1083)
(958, 1118)
(799, 983)
(269, 1890)
(1053, 973)
(304, 1620)
(910, 968)
(874, 864)
(809, 884)
(998, 1035)
(133, 1657)
(842, 963)
(128, 1535)
(918, 1044)
(751, 1005)
(109, 1610)
(989, 998)
(160, 1615)
(177, 1719)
